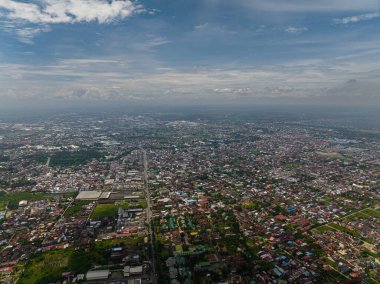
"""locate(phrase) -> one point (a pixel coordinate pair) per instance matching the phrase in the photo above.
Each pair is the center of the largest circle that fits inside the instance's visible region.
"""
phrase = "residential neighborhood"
(147, 199)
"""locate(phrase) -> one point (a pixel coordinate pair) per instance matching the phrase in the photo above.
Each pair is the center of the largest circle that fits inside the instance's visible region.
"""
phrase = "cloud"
(357, 18)
(201, 26)
(109, 78)
(312, 6)
(28, 19)
(296, 30)
(69, 11)
(27, 34)
(150, 43)
(236, 91)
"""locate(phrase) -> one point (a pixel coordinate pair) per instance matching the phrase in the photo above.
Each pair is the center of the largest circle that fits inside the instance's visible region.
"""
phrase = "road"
(48, 161)
(149, 216)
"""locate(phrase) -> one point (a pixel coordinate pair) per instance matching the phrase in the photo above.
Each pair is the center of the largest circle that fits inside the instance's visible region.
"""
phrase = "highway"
(149, 217)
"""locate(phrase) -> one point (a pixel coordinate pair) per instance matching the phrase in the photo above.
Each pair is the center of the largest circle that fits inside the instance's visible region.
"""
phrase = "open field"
(332, 155)
(346, 230)
(76, 207)
(125, 242)
(3, 205)
(104, 210)
(15, 198)
(46, 267)
(324, 228)
(371, 212)
(67, 158)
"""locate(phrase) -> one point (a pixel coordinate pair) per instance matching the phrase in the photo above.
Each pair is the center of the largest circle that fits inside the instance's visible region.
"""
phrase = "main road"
(149, 216)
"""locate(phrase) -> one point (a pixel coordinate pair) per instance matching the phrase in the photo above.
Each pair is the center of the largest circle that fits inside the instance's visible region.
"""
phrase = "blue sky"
(182, 50)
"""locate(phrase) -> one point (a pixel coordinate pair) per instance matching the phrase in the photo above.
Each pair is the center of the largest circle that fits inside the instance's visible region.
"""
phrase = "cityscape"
(190, 141)
(172, 198)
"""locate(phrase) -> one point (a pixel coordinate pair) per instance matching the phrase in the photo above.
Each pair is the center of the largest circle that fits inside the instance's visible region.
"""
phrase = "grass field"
(364, 214)
(126, 242)
(331, 155)
(15, 198)
(104, 210)
(46, 267)
(346, 230)
(67, 158)
(76, 207)
(49, 266)
(2, 205)
(357, 215)
(371, 212)
(324, 228)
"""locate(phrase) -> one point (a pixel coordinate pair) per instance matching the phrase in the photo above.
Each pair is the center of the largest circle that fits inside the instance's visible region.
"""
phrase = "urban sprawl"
(116, 198)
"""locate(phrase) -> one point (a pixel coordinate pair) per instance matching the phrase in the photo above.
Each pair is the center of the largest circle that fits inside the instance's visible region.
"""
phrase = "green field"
(142, 203)
(104, 210)
(371, 212)
(324, 228)
(346, 230)
(67, 158)
(15, 198)
(3, 206)
(331, 155)
(49, 266)
(46, 267)
(364, 214)
(76, 207)
(126, 242)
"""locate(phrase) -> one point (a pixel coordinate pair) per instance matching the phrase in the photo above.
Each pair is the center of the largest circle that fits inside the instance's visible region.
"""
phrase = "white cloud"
(313, 6)
(296, 30)
(27, 34)
(150, 43)
(201, 26)
(110, 79)
(357, 18)
(28, 19)
(69, 11)
(237, 91)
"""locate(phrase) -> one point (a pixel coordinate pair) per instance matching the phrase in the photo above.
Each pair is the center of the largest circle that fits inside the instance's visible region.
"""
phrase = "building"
(96, 275)
(23, 203)
(134, 281)
(89, 195)
(132, 270)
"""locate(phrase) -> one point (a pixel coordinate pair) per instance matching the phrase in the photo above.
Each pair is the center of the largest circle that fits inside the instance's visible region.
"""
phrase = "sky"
(197, 51)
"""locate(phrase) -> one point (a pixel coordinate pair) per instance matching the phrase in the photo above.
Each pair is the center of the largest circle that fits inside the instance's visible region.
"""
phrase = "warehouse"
(96, 275)
(89, 195)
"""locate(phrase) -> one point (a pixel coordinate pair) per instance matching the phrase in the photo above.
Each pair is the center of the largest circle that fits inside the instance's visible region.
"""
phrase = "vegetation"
(80, 261)
(325, 228)
(372, 212)
(331, 155)
(17, 183)
(142, 204)
(3, 206)
(22, 183)
(344, 229)
(46, 267)
(250, 206)
(68, 158)
(127, 242)
(4, 158)
(104, 210)
(14, 198)
(76, 207)
(359, 214)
